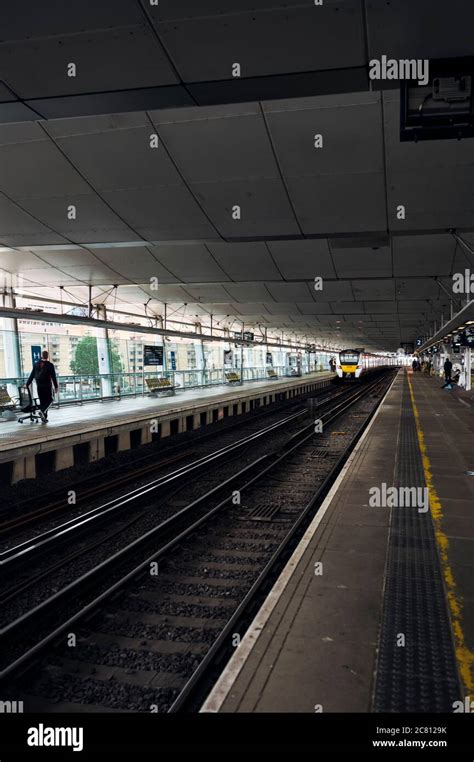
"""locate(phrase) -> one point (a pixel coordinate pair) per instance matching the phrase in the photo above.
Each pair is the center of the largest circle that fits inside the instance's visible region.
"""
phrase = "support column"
(123, 441)
(11, 343)
(103, 356)
(165, 429)
(146, 436)
(64, 458)
(467, 368)
(96, 449)
(24, 468)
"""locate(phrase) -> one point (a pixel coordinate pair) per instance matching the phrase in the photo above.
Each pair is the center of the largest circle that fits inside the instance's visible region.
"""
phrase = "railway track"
(189, 611)
(32, 512)
(135, 503)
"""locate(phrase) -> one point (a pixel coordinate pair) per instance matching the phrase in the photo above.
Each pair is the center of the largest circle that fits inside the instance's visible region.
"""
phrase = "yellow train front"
(349, 364)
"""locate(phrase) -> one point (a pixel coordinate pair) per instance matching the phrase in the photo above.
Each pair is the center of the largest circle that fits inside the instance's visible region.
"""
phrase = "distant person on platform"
(414, 365)
(448, 366)
(44, 374)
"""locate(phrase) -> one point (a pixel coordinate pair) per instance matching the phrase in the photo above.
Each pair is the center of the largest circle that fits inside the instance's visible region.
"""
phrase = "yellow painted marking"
(464, 656)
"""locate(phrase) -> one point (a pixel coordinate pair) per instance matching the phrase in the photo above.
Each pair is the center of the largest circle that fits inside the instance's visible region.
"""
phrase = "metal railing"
(79, 389)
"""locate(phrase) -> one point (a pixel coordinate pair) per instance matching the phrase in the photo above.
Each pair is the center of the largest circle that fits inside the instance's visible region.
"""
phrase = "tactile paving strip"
(420, 676)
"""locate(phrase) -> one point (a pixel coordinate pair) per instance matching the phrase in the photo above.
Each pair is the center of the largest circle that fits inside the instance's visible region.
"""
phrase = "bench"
(7, 405)
(232, 378)
(158, 385)
(272, 374)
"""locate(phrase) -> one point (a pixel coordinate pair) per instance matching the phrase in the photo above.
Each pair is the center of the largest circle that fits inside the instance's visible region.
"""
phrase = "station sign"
(247, 336)
(152, 355)
(35, 354)
(467, 338)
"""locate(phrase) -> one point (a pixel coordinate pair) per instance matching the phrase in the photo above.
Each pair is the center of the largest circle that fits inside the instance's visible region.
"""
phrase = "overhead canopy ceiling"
(146, 54)
(144, 213)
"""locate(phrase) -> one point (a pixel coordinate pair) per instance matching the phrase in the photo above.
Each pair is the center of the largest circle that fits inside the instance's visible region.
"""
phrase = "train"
(353, 363)
(349, 363)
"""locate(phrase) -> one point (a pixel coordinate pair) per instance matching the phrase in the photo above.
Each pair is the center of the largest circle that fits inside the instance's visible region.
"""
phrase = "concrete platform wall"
(23, 460)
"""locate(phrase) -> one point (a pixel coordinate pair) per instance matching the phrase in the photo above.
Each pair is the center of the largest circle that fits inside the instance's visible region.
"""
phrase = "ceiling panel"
(245, 261)
(248, 308)
(19, 132)
(332, 204)
(94, 222)
(350, 308)
(208, 293)
(286, 292)
(422, 30)
(18, 261)
(264, 41)
(134, 263)
(362, 262)
(52, 175)
(18, 228)
(334, 291)
(190, 263)
(95, 273)
(423, 255)
(415, 307)
(50, 18)
(51, 276)
(343, 151)
(169, 294)
(316, 308)
(230, 148)
(416, 288)
(166, 213)
(68, 258)
(374, 289)
(302, 259)
(380, 307)
(433, 179)
(347, 172)
(95, 156)
(275, 308)
(248, 292)
(265, 209)
(38, 68)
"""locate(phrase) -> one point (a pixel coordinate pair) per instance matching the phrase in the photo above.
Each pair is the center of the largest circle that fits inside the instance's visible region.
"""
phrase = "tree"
(86, 362)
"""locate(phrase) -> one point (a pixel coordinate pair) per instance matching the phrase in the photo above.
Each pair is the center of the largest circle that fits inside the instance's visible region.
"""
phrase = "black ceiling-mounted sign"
(441, 108)
(467, 337)
(152, 355)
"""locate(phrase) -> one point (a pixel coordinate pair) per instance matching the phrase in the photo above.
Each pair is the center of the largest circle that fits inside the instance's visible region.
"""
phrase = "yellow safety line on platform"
(464, 655)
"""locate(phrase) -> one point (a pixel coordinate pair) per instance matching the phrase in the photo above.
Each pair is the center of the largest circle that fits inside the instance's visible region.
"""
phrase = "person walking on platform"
(44, 374)
(448, 366)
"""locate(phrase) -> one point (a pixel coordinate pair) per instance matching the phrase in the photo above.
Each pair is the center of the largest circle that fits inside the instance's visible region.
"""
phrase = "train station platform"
(129, 421)
(374, 610)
